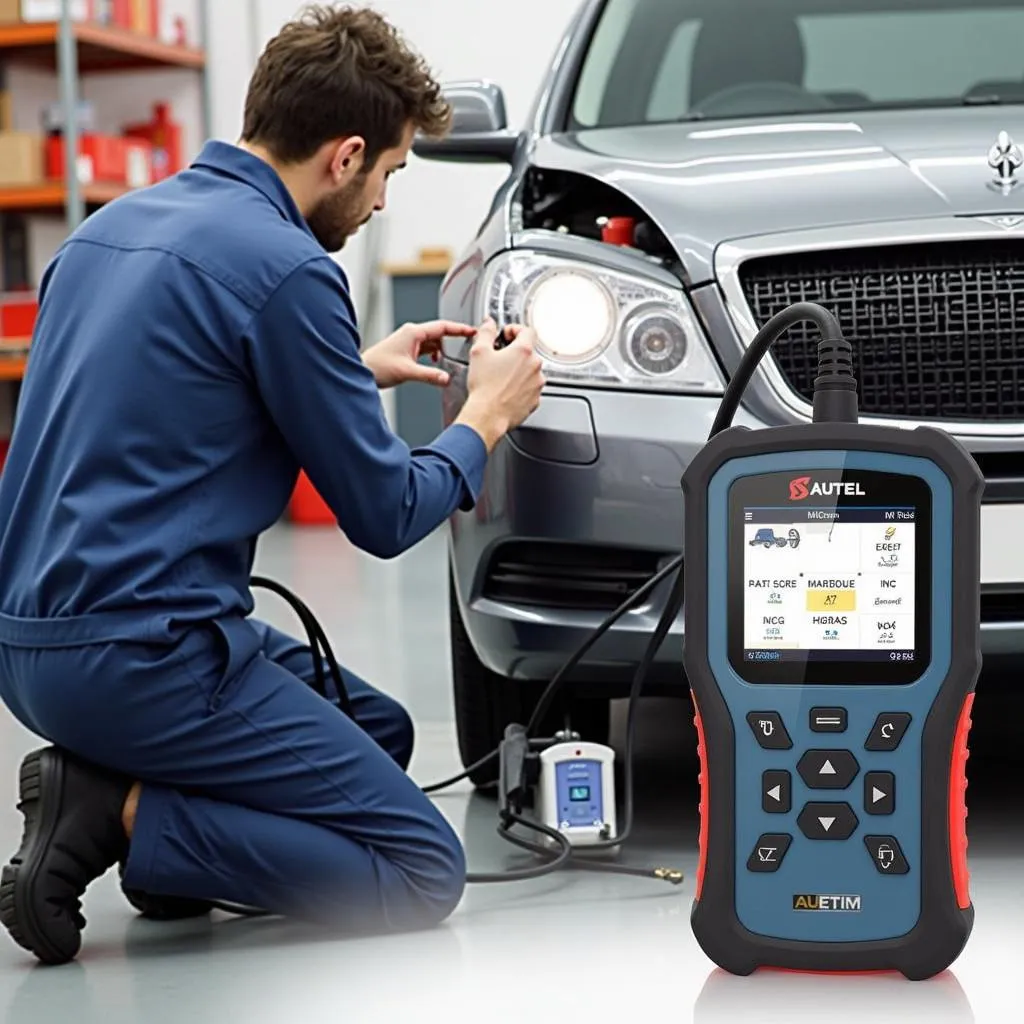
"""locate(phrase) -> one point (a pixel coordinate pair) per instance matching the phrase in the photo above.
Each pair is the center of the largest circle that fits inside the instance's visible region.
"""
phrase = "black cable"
(475, 766)
(780, 323)
(672, 609)
(318, 642)
(510, 818)
(551, 691)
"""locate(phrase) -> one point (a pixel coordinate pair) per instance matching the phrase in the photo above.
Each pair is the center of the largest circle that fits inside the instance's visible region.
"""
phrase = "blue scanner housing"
(863, 902)
(836, 753)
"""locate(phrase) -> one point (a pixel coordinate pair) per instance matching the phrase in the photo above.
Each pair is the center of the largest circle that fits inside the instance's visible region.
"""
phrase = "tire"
(486, 703)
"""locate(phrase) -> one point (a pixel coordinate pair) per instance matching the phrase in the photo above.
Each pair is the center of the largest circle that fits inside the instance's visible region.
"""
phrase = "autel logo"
(802, 488)
(798, 488)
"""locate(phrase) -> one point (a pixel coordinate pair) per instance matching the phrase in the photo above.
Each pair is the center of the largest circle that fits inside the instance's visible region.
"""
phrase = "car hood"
(713, 182)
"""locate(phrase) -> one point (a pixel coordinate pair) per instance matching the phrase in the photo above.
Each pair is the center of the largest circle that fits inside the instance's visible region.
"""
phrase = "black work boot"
(164, 908)
(73, 834)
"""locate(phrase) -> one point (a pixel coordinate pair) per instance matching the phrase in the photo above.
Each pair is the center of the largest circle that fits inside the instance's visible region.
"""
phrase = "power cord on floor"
(831, 399)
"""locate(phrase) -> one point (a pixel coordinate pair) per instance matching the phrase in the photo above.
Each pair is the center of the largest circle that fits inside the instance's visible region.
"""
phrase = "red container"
(105, 153)
(18, 314)
(307, 508)
(619, 231)
(165, 136)
(122, 13)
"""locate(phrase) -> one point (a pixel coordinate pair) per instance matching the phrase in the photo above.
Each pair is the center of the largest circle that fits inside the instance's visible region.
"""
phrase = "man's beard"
(337, 217)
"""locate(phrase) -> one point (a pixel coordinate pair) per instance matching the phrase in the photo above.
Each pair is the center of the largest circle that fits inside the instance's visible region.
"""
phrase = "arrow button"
(828, 769)
(776, 792)
(880, 793)
(827, 821)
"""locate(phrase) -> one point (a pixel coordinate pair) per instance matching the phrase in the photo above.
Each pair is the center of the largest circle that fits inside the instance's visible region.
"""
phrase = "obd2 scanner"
(832, 647)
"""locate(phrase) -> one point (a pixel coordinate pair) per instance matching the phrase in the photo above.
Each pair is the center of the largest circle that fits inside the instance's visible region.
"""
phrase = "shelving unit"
(73, 49)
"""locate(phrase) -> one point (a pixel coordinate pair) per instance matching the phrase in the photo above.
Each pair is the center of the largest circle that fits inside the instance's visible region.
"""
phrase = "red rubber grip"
(958, 807)
(705, 801)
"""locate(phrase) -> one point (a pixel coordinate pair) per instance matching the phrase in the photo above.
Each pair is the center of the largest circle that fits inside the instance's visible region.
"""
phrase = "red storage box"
(105, 156)
(18, 312)
(307, 508)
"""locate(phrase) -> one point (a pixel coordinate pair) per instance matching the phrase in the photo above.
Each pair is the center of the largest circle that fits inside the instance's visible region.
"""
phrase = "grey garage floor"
(582, 945)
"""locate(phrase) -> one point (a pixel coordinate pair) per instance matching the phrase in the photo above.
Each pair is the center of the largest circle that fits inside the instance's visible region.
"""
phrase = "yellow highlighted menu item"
(831, 600)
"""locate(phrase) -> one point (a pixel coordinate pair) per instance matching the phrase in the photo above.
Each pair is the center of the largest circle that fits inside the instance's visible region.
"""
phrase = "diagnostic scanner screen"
(829, 577)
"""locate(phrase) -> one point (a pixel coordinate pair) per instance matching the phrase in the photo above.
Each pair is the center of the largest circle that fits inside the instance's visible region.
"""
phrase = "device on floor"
(576, 792)
(832, 648)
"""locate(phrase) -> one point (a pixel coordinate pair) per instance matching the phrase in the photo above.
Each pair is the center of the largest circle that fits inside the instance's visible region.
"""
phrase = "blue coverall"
(195, 346)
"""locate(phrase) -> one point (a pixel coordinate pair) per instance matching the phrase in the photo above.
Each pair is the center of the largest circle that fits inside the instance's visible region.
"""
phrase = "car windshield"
(652, 61)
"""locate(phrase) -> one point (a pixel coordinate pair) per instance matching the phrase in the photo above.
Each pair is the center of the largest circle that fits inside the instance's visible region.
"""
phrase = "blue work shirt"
(195, 347)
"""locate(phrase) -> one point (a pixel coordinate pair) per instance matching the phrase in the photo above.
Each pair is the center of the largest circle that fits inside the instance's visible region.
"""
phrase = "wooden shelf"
(99, 48)
(51, 196)
(12, 367)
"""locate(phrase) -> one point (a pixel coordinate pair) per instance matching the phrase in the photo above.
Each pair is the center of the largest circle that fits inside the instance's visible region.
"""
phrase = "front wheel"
(486, 703)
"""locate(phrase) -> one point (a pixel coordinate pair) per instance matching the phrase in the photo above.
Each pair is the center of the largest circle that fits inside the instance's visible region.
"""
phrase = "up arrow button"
(828, 769)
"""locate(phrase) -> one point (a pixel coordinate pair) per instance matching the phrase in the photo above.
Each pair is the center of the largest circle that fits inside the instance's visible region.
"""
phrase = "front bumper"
(598, 471)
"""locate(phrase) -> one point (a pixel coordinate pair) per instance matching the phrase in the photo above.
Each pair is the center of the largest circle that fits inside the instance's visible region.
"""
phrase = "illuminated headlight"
(599, 326)
(573, 315)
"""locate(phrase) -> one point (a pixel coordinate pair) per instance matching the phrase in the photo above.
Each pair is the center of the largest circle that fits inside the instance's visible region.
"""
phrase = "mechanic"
(196, 345)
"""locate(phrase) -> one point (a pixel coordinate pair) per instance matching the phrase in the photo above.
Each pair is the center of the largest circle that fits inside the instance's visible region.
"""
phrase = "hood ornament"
(1006, 159)
(1006, 223)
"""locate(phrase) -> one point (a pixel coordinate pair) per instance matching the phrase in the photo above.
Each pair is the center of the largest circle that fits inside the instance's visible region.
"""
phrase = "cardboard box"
(21, 159)
(43, 10)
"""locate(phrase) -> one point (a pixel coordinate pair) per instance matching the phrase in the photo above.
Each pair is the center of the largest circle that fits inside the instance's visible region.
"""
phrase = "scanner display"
(829, 577)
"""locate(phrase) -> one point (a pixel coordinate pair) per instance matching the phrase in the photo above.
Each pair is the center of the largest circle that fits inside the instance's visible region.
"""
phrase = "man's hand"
(505, 384)
(395, 360)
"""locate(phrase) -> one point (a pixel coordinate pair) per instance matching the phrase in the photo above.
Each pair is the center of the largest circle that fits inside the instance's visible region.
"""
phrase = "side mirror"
(479, 133)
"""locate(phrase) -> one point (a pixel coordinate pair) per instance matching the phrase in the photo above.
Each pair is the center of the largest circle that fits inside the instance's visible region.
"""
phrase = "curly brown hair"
(336, 72)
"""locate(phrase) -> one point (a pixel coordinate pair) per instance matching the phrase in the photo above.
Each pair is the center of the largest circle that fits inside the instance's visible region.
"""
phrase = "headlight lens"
(573, 315)
(602, 327)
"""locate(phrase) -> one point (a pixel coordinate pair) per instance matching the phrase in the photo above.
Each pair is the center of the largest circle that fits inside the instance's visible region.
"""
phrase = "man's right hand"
(505, 384)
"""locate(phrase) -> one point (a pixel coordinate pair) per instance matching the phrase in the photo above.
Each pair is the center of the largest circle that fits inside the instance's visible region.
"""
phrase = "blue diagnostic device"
(832, 647)
(832, 624)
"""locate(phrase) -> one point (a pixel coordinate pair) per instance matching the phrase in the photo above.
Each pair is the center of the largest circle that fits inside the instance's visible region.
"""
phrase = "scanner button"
(888, 731)
(776, 792)
(768, 853)
(828, 769)
(828, 821)
(828, 719)
(886, 853)
(769, 730)
(880, 793)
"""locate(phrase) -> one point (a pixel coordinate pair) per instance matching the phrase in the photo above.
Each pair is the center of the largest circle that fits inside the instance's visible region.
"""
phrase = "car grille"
(937, 328)
(1002, 605)
(567, 575)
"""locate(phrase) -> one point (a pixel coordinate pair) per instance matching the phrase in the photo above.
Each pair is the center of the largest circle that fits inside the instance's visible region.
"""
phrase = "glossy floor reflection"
(570, 944)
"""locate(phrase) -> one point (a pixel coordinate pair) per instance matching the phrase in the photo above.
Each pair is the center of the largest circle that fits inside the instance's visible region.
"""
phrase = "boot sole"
(41, 791)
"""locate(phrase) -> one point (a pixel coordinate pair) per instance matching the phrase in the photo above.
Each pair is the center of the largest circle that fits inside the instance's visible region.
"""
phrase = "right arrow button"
(880, 793)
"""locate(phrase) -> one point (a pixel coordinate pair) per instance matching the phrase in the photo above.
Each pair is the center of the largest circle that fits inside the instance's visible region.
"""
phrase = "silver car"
(689, 169)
